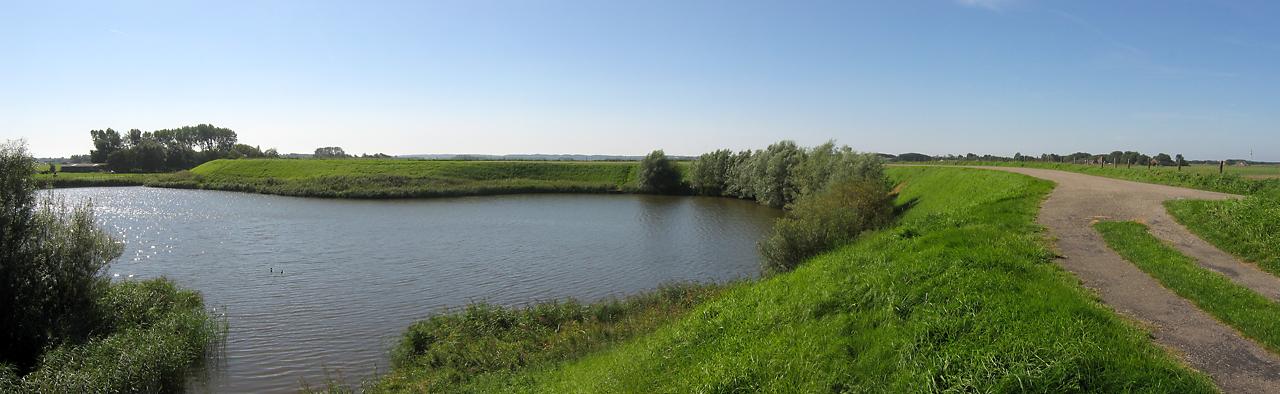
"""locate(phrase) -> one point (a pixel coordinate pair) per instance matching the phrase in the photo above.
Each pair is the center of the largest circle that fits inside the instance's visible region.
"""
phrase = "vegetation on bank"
(378, 178)
(1253, 314)
(486, 342)
(961, 295)
(66, 327)
(1211, 181)
(169, 149)
(95, 179)
(1248, 228)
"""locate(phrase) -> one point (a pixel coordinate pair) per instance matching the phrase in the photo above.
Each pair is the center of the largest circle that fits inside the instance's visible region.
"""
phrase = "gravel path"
(1236, 364)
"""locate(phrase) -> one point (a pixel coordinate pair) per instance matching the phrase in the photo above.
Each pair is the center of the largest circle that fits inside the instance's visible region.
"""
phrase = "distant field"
(366, 178)
(1260, 180)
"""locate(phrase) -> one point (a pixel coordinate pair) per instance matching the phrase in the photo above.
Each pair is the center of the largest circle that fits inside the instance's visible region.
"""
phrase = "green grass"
(365, 178)
(1248, 228)
(154, 335)
(95, 179)
(1196, 177)
(1251, 313)
(961, 296)
(448, 350)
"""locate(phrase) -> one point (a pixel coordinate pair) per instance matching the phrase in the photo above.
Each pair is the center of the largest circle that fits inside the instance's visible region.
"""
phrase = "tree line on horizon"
(1129, 158)
(169, 149)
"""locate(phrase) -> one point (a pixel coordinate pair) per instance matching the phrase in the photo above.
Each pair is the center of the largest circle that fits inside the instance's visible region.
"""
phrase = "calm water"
(356, 273)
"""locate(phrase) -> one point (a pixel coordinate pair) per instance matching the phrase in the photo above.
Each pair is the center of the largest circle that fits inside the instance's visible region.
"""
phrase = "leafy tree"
(739, 179)
(105, 142)
(709, 175)
(330, 152)
(657, 174)
(820, 221)
(774, 185)
(1163, 159)
(914, 157)
(51, 265)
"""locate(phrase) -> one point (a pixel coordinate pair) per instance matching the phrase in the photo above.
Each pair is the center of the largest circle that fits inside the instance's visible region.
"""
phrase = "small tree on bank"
(52, 258)
(657, 174)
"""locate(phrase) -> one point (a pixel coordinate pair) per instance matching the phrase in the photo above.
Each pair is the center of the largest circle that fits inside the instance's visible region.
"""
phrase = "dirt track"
(1236, 364)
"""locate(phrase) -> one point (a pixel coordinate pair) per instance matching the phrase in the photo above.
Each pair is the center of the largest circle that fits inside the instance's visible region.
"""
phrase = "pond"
(310, 285)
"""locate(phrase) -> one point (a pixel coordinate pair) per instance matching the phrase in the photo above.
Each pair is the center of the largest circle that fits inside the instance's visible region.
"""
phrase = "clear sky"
(624, 77)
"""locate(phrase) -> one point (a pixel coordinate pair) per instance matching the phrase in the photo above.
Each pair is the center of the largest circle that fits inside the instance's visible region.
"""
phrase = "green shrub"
(822, 221)
(52, 258)
(158, 333)
(65, 327)
(657, 174)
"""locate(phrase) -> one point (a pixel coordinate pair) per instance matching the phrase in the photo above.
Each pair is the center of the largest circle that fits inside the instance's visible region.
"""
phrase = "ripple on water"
(356, 273)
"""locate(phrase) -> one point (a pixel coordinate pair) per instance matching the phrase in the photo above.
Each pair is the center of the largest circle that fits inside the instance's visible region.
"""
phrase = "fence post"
(1222, 167)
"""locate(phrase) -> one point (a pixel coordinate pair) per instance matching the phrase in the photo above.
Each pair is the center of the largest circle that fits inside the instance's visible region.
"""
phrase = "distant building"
(84, 167)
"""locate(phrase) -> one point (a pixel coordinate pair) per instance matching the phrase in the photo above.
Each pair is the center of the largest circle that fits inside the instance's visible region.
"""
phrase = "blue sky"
(614, 77)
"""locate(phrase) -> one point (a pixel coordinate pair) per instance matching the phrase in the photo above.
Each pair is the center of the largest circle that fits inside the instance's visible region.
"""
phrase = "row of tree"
(779, 174)
(832, 193)
(1128, 158)
(169, 149)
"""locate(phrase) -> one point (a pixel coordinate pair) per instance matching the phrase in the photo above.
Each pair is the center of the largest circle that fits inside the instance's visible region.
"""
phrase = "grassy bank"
(488, 342)
(1251, 313)
(365, 178)
(95, 179)
(962, 295)
(1248, 228)
(1236, 181)
(152, 336)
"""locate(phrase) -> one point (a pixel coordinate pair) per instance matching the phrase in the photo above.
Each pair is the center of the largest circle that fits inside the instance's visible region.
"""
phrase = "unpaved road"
(1236, 364)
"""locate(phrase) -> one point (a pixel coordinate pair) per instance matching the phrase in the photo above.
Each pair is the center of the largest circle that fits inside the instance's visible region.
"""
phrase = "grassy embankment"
(365, 178)
(1251, 313)
(961, 295)
(95, 179)
(152, 336)
(1238, 180)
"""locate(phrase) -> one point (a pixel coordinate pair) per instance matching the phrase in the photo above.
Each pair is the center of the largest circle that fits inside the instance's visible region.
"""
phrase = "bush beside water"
(66, 327)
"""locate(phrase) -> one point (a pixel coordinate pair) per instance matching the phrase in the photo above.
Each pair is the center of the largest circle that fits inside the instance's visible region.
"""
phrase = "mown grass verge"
(960, 296)
(1248, 228)
(365, 178)
(1225, 183)
(1251, 313)
(153, 336)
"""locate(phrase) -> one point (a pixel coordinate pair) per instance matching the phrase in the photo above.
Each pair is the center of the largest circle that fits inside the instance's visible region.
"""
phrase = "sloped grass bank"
(1248, 228)
(961, 296)
(1251, 313)
(366, 178)
(154, 335)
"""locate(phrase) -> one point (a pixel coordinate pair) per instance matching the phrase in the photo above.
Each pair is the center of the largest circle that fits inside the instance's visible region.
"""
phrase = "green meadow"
(960, 295)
